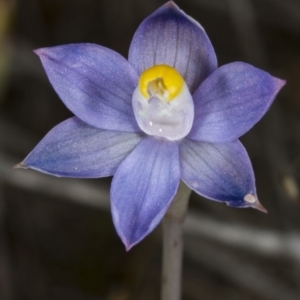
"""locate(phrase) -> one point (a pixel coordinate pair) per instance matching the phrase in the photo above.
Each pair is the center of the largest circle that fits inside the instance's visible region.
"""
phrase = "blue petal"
(75, 149)
(169, 36)
(94, 82)
(143, 188)
(232, 100)
(220, 172)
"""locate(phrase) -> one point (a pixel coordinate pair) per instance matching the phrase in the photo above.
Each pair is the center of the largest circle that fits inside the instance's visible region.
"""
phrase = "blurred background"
(57, 240)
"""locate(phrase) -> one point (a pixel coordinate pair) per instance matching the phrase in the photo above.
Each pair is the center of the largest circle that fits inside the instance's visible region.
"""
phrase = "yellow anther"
(161, 81)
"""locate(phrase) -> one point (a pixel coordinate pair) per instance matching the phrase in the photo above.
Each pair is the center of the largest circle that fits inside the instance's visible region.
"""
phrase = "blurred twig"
(78, 191)
(262, 242)
(239, 271)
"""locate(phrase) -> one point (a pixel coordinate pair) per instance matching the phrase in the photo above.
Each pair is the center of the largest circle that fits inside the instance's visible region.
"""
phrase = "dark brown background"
(57, 240)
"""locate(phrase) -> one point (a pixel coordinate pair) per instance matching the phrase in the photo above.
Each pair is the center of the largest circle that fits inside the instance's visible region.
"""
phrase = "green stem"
(173, 244)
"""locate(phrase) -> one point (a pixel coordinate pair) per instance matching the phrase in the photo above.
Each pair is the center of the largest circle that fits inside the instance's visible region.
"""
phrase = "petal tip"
(257, 205)
(39, 51)
(45, 52)
(127, 243)
(116, 219)
(254, 203)
(128, 247)
(20, 165)
(171, 4)
(280, 83)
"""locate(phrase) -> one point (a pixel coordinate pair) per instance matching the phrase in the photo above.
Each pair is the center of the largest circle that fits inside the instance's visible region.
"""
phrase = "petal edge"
(94, 82)
(220, 172)
(231, 101)
(76, 149)
(143, 188)
(169, 36)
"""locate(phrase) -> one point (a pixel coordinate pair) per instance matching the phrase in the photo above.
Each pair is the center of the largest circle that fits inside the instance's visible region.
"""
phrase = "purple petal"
(75, 149)
(169, 36)
(220, 172)
(143, 188)
(232, 100)
(94, 82)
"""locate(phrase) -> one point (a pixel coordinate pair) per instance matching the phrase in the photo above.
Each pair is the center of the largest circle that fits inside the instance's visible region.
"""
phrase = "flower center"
(161, 81)
(162, 103)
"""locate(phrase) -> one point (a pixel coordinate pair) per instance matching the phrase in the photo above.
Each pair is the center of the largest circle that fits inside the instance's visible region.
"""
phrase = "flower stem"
(173, 244)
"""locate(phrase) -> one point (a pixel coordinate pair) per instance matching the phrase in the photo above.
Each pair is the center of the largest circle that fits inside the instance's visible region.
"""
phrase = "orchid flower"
(167, 114)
